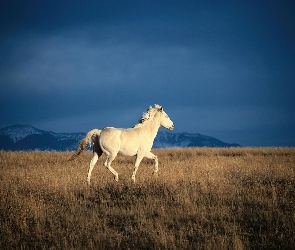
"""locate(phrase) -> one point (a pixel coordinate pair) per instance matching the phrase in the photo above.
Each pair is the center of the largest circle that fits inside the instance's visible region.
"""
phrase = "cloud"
(72, 71)
(214, 67)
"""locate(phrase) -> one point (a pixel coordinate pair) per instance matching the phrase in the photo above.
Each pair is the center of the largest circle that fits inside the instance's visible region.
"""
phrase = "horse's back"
(122, 141)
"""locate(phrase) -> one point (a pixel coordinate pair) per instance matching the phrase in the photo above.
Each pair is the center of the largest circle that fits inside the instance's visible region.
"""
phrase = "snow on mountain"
(18, 132)
(26, 137)
(168, 140)
(68, 136)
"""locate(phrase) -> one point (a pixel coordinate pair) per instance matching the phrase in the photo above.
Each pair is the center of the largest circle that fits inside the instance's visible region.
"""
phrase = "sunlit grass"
(235, 198)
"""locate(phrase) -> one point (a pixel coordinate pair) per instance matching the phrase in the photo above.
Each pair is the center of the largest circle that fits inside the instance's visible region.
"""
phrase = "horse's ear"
(158, 107)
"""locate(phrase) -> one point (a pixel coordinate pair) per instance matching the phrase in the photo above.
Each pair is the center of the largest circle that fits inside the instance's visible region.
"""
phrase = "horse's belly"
(128, 150)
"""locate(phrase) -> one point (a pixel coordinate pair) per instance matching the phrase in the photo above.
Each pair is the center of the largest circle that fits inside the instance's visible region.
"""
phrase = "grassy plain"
(237, 198)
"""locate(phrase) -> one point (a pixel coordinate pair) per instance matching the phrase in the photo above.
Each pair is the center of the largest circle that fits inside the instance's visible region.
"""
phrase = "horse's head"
(165, 120)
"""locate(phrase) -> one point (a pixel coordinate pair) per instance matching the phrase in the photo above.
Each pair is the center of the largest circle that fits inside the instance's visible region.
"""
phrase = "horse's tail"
(93, 135)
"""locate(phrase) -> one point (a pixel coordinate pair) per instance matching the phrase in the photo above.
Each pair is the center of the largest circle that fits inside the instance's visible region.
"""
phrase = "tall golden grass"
(237, 198)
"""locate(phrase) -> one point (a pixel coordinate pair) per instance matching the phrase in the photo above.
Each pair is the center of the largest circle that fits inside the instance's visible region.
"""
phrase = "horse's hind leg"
(97, 152)
(91, 166)
(108, 162)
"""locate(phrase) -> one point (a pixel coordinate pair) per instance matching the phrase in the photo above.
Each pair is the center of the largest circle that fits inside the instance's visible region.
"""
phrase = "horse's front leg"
(137, 162)
(150, 155)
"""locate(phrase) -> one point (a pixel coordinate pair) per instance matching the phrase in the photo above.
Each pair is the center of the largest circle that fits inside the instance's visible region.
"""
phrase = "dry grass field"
(239, 198)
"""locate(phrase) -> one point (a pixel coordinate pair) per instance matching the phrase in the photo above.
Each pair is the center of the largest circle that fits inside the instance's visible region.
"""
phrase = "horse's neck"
(153, 127)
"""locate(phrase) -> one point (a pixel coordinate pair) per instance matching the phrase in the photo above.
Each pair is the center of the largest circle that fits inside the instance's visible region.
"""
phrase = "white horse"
(129, 142)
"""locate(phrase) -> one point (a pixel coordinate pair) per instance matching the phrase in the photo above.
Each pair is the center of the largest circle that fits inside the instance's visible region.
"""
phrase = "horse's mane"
(148, 115)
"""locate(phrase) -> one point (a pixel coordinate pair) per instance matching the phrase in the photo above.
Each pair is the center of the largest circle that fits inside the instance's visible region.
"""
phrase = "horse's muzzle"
(171, 128)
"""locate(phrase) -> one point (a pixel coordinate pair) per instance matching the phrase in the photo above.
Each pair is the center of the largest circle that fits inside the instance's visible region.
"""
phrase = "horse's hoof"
(116, 178)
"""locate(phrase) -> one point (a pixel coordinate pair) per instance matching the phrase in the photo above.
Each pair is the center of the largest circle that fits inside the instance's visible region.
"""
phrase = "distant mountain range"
(26, 137)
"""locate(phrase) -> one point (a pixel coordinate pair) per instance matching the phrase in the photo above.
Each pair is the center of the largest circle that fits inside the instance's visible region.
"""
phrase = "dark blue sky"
(219, 68)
